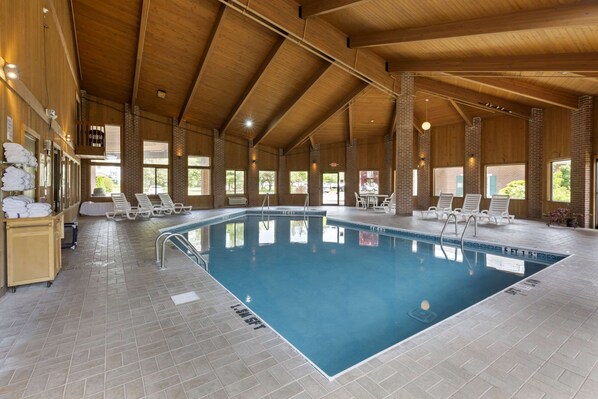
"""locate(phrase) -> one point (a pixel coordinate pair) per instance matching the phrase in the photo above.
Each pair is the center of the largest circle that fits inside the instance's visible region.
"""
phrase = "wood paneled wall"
(504, 140)
(236, 152)
(267, 158)
(333, 153)
(298, 159)
(447, 145)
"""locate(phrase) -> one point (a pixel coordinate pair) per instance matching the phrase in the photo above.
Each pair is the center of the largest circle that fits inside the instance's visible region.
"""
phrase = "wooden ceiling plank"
(467, 118)
(140, 43)
(574, 62)
(291, 104)
(257, 77)
(205, 57)
(339, 107)
(470, 97)
(313, 8)
(562, 16)
(76, 41)
(528, 90)
(350, 116)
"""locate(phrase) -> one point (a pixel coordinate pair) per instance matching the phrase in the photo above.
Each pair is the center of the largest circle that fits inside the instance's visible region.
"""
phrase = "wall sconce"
(314, 164)
(422, 162)
(253, 161)
(471, 156)
(12, 71)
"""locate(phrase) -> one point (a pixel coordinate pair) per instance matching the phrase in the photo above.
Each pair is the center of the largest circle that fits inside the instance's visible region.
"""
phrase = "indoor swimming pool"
(343, 293)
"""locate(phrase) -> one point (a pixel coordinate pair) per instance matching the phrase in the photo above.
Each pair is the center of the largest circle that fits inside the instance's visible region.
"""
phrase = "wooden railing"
(90, 140)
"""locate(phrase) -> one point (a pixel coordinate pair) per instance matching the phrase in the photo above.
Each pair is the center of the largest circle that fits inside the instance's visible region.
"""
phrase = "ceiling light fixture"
(426, 125)
(248, 123)
(161, 93)
(11, 71)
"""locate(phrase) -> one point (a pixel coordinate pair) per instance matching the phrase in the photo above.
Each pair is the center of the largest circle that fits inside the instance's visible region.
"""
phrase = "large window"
(235, 235)
(235, 182)
(105, 176)
(267, 182)
(299, 182)
(448, 180)
(368, 181)
(506, 180)
(155, 167)
(198, 175)
(560, 181)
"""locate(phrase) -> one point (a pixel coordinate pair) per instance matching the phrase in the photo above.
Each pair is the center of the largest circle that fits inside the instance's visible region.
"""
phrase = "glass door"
(333, 188)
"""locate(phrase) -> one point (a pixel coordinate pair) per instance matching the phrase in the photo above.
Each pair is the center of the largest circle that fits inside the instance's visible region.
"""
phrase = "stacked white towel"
(39, 209)
(16, 179)
(19, 206)
(16, 153)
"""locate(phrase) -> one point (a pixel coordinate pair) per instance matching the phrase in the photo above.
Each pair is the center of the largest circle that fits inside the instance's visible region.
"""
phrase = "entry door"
(333, 188)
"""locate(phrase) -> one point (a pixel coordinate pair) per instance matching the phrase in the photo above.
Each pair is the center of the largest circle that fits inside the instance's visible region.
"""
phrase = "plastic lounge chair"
(360, 201)
(392, 204)
(444, 206)
(177, 208)
(498, 210)
(471, 206)
(145, 205)
(384, 204)
(123, 208)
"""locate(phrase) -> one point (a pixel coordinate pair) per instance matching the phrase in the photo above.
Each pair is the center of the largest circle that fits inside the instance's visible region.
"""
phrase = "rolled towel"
(22, 197)
(14, 188)
(16, 215)
(17, 200)
(39, 206)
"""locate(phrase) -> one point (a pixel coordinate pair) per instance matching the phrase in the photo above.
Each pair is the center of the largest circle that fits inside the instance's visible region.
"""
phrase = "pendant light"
(426, 125)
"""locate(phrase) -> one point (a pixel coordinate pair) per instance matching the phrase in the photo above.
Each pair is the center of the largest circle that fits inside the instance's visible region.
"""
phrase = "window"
(267, 181)
(267, 232)
(299, 182)
(506, 180)
(368, 181)
(299, 230)
(235, 182)
(560, 181)
(235, 235)
(155, 178)
(198, 175)
(415, 182)
(105, 176)
(448, 180)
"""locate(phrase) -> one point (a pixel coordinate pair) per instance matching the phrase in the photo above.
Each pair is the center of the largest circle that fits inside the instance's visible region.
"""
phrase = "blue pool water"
(341, 295)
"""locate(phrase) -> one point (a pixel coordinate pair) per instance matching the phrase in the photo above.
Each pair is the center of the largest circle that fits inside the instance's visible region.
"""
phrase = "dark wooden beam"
(339, 107)
(312, 8)
(76, 40)
(467, 118)
(417, 125)
(561, 16)
(257, 77)
(205, 57)
(393, 121)
(140, 42)
(291, 104)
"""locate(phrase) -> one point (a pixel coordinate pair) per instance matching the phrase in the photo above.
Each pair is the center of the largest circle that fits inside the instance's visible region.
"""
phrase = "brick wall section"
(424, 191)
(472, 170)
(252, 183)
(179, 161)
(535, 133)
(404, 150)
(283, 178)
(85, 183)
(314, 177)
(351, 173)
(132, 163)
(218, 172)
(581, 159)
(386, 182)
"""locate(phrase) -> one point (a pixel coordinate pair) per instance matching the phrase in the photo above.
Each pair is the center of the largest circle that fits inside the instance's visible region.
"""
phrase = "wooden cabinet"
(33, 249)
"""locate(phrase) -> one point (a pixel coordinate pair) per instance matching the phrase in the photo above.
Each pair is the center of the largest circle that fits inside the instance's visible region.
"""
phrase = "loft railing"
(90, 140)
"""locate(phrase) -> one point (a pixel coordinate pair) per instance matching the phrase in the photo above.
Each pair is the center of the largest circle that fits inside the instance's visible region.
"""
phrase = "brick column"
(283, 178)
(535, 134)
(84, 105)
(179, 161)
(253, 196)
(218, 172)
(315, 198)
(351, 173)
(581, 159)
(473, 158)
(387, 175)
(404, 147)
(132, 163)
(423, 170)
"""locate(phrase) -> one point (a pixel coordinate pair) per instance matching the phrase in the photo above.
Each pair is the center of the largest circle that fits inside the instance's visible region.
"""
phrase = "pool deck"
(108, 328)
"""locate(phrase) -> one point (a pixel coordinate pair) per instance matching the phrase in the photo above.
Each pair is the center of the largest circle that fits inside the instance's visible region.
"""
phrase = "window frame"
(550, 180)
(291, 182)
(274, 186)
(485, 171)
(447, 167)
(235, 190)
(156, 166)
(201, 168)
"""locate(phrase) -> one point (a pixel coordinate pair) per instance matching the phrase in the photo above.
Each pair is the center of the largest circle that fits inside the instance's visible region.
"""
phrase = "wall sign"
(9, 128)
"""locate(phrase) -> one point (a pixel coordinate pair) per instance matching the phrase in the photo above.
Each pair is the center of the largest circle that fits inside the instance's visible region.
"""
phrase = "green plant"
(515, 189)
(105, 182)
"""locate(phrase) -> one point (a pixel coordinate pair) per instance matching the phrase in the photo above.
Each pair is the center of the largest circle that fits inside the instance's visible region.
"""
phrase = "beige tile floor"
(108, 328)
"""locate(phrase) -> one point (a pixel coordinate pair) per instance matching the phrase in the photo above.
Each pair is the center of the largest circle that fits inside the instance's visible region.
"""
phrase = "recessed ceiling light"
(248, 122)
(371, 121)
(11, 71)
(161, 93)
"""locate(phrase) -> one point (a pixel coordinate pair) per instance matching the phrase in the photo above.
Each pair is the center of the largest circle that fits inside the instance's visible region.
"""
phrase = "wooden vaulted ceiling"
(286, 65)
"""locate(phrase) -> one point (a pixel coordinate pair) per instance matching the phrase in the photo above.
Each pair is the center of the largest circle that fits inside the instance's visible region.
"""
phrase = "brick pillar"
(473, 158)
(581, 159)
(351, 173)
(218, 172)
(535, 134)
(283, 178)
(387, 175)
(404, 147)
(179, 161)
(84, 105)
(315, 197)
(132, 163)
(253, 195)
(423, 171)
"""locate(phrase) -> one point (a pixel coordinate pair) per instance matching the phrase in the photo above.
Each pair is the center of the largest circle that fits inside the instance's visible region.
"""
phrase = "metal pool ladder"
(454, 216)
(191, 250)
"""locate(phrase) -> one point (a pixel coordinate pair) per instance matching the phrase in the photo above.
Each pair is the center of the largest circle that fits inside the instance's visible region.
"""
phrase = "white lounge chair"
(392, 204)
(384, 204)
(360, 202)
(498, 210)
(123, 208)
(177, 208)
(145, 205)
(444, 206)
(471, 206)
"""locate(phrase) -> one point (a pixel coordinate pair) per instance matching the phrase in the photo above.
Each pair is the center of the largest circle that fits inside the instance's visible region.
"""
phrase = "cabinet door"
(58, 235)
(30, 253)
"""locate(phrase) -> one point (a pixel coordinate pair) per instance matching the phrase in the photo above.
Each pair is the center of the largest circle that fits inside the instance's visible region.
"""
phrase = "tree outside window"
(298, 181)
(506, 180)
(235, 182)
(267, 182)
(155, 178)
(198, 175)
(561, 181)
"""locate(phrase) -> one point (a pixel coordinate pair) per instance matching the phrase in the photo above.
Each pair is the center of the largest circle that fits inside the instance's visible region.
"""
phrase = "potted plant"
(562, 216)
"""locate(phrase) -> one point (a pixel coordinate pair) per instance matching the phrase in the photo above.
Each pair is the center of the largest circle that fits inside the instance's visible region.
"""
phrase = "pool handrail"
(191, 250)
